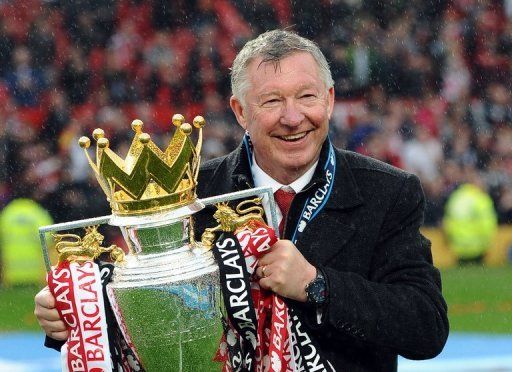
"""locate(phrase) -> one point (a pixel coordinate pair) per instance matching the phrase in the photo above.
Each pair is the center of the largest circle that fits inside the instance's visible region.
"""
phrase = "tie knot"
(283, 200)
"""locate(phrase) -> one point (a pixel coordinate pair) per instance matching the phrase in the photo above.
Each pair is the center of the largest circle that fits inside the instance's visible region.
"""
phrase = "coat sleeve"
(399, 306)
(53, 344)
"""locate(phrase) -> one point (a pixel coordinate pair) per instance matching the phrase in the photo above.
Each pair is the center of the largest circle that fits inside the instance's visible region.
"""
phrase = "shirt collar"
(263, 179)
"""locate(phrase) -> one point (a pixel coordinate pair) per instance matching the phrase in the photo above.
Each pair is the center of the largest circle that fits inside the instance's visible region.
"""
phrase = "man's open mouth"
(294, 137)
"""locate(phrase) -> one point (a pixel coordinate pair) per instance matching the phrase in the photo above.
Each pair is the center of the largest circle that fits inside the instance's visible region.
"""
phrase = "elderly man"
(351, 262)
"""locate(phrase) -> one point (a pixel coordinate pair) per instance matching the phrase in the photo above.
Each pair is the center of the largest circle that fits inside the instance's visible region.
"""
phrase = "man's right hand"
(48, 316)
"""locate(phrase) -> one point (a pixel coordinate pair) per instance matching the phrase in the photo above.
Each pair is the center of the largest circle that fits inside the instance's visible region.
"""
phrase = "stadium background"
(422, 85)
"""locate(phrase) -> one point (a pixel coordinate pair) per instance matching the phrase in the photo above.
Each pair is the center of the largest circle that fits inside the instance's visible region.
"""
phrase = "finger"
(263, 271)
(279, 244)
(50, 315)
(59, 336)
(260, 271)
(55, 326)
(45, 299)
(267, 259)
(266, 283)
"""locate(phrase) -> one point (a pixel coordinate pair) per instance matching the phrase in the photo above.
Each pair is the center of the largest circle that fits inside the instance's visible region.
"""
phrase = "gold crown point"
(103, 142)
(186, 128)
(199, 122)
(84, 142)
(137, 126)
(178, 119)
(144, 138)
(98, 133)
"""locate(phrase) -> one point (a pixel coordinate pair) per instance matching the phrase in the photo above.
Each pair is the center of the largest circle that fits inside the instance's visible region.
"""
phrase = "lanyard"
(317, 201)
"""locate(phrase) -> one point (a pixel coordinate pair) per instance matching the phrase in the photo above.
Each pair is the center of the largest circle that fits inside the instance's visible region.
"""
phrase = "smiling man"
(351, 260)
(351, 263)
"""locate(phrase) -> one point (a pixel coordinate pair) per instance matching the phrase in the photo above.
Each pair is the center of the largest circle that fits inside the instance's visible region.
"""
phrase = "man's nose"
(292, 114)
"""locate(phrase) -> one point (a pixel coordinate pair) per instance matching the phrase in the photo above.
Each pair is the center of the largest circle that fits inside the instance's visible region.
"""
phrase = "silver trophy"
(165, 294)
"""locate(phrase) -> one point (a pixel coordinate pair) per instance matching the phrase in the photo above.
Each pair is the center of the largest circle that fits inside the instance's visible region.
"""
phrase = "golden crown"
(148, 180)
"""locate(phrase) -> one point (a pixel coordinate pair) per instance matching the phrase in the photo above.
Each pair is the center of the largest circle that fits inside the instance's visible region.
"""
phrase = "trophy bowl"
(166, 296)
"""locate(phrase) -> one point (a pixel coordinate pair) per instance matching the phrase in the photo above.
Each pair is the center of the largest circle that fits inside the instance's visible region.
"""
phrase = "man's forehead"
(299, 88)
(261, 70)
(264, 62)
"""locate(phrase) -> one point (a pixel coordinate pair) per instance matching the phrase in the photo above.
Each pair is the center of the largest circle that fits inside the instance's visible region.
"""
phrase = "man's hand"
(48, 316)
(285, 271)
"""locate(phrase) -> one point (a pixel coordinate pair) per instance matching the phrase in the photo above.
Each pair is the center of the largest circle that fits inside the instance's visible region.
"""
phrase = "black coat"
(384, 293)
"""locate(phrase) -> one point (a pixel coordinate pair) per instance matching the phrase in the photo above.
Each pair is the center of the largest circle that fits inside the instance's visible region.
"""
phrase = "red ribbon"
(273, 350)
(79, 300)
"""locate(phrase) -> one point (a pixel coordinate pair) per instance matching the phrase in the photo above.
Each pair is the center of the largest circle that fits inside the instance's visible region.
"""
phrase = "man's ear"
(330, 98)
(238, 110)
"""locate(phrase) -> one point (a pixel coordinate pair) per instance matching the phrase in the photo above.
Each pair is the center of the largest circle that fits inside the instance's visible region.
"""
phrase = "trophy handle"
(66, 226)
(264, 192)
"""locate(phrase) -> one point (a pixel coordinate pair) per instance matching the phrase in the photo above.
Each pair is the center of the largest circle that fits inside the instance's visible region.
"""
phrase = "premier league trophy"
(165, 292)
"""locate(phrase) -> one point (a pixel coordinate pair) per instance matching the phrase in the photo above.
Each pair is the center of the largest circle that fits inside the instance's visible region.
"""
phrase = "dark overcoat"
(384, 293)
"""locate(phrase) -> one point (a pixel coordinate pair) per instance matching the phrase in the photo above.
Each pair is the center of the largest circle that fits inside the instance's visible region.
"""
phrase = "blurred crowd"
(422, 85)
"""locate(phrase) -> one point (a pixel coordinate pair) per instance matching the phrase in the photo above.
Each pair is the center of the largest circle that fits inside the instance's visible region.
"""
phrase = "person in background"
(470, 222)
(20, 248)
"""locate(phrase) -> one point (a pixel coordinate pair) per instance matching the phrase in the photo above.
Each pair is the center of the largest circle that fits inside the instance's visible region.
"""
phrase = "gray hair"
(273, 46)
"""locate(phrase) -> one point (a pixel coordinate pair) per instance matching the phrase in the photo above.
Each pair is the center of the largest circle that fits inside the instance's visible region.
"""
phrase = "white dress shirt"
(263, 179)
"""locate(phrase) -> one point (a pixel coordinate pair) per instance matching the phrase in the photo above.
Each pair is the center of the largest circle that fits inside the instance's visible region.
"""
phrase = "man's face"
(287, 110)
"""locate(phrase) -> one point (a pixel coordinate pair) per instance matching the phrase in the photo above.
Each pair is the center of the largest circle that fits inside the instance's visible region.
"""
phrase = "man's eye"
(307, 96)
(272, 101)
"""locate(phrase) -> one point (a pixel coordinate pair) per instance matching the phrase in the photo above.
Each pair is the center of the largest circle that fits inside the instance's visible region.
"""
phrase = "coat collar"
(345, 193)
(242, 175)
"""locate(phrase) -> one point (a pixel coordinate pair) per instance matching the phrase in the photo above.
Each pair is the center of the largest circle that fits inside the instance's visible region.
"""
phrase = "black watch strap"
(316, 290)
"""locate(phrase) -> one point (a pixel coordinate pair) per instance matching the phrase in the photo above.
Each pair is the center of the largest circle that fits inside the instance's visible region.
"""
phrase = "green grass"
(17, 309)
(479, 300)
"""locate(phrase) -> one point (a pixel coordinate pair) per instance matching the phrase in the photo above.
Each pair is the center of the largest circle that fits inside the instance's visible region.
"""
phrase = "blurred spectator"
(423, 154)
(56, 120)
(41, 41)
(262, 15)
(76, 76)
(119, 84)
(168, 15)
(89, 23)
(376, 144)
(460, 149)
(20, 248)
(7, 45)
(206, 73)
(25, 81)
(341, 69)
(470, 222)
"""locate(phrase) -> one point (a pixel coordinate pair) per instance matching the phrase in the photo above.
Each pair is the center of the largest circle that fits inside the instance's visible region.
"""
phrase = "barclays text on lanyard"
(306, 352)
(315, 203)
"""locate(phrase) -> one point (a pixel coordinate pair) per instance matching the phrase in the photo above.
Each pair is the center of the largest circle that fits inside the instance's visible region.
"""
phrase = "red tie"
(283, 200)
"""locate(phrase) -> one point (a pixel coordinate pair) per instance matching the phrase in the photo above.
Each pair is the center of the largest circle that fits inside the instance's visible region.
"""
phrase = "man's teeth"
(294, 137)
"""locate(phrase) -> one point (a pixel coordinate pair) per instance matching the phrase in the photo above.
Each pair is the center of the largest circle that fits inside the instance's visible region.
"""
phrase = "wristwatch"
(316, 290)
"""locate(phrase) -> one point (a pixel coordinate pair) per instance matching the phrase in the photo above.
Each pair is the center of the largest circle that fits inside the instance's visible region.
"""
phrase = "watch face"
(316, 291)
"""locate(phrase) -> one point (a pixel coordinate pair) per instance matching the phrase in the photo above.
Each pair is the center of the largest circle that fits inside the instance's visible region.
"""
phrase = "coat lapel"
(334, 221)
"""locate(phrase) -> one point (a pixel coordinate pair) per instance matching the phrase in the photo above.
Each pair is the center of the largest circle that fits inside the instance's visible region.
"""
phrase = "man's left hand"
(285, 271)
